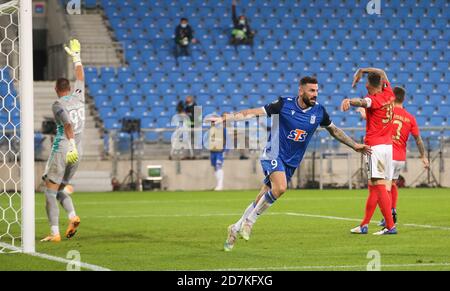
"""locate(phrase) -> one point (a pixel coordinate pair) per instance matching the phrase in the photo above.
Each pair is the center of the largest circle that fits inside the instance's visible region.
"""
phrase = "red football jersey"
(404, 123)
(379, 117)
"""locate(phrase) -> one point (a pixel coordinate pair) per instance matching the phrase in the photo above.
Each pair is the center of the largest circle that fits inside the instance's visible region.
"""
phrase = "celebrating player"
(299, 118)
(64, 159)
(379, 108)
(404, 124)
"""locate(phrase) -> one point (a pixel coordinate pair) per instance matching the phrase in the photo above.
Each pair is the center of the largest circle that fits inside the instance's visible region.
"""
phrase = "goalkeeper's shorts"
(57, 171)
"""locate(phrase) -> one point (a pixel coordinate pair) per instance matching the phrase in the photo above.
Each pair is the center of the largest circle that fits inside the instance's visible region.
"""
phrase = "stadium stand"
(329, 39)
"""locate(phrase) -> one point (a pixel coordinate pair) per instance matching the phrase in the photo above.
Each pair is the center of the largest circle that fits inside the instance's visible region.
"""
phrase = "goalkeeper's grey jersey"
(69, 109)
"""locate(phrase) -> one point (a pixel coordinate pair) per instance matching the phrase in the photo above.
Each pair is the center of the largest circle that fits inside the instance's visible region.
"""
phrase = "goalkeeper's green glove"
(74, 50)
(72, 154)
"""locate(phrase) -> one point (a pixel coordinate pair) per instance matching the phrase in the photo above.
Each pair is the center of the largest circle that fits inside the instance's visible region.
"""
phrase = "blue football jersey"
(290, 136)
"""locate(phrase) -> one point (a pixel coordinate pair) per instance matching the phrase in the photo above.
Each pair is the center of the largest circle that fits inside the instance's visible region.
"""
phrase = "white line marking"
(160, 215)
(321, 216)
(205, 201)
(281, 268)
(358, 220)
(238, 214)
(53, 258)
(426, 226)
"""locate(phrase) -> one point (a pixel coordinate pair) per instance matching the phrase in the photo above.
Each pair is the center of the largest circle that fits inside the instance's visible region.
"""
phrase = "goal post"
(17, 174)
(27, 125)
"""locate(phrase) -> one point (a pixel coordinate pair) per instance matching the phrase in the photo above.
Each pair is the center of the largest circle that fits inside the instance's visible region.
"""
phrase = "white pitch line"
(238, 214)
(205, 201)
(160, 215)
(426, 226)
(286, 268)
(358, 220)
(321, 216)
(55, 259)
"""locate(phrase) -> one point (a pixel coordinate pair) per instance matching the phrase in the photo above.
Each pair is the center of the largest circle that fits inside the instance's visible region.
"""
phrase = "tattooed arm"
(421, 147)
(356, 102)
(340, 135)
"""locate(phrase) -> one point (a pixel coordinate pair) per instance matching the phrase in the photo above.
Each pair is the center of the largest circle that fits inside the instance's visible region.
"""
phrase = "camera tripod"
(130, 180)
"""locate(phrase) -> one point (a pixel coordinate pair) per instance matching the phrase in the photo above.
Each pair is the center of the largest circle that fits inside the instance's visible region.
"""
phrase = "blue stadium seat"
(111, 123)
(408, 40)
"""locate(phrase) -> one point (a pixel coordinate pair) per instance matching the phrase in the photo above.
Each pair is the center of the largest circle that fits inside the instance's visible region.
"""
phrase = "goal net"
(16, 134)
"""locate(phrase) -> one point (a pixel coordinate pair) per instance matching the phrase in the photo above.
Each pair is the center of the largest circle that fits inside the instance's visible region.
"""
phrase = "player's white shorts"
(398, 167)
(379, 163)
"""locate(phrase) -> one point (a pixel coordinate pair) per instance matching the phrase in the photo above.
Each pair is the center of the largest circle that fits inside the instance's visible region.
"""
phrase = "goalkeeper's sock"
(67, 203)
(265, 202)
(52, 210)
(371, 205)
(394, 195)
(237, 226)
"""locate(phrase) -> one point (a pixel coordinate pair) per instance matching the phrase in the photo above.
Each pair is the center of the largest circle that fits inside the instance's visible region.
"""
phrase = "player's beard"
(307, 101)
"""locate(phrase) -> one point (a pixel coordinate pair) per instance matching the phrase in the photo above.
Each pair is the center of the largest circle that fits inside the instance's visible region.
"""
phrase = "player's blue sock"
(265, 202)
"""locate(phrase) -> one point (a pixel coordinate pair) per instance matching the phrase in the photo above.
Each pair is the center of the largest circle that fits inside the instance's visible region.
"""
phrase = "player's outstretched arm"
(241, 115)
(74, 50)
(421, 147)
(340, 135)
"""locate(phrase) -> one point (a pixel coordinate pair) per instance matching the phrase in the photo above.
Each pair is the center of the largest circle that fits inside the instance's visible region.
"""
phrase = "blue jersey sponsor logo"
(298, 135)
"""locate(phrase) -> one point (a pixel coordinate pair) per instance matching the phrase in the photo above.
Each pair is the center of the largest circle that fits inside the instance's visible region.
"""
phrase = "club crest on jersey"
(297, 135)
(313, 119)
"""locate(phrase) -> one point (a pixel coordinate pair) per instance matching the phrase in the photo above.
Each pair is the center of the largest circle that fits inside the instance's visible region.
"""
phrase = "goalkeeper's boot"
(364, 229)
(52, 238)
(386, 231)
(72, 228)
(231, 239)
(246, 230)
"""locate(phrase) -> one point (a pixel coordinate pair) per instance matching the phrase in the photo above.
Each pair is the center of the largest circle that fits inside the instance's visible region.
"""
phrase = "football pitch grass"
(304, 230)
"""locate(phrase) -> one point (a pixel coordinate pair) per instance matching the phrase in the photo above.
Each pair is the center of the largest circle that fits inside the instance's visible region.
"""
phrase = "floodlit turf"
(186, 231)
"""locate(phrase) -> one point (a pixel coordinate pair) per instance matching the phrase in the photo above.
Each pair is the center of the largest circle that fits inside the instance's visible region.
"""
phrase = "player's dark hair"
(399, 93)
(184, 19)
(374, 79)
(308, 80)
(62, 85)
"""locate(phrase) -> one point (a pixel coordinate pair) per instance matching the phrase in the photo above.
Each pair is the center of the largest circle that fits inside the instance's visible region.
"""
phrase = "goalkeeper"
(69, 113)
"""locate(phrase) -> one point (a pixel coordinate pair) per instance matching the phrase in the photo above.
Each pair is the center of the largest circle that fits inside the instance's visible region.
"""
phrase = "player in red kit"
(404, 124)
(379, 105)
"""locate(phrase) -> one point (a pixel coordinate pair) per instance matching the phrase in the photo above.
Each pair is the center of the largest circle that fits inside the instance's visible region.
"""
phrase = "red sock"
(390, 195)
(384, 201)
(371, 205)
(394, 195)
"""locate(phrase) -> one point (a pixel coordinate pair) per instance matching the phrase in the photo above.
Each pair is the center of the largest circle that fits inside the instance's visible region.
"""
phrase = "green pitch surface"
(304, 230)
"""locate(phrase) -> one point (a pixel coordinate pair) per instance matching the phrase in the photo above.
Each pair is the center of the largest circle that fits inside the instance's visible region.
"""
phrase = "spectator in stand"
(241, 34)
(184, 36)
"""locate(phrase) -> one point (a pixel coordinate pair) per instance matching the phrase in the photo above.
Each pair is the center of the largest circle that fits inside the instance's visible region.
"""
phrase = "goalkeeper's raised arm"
(74, 50)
